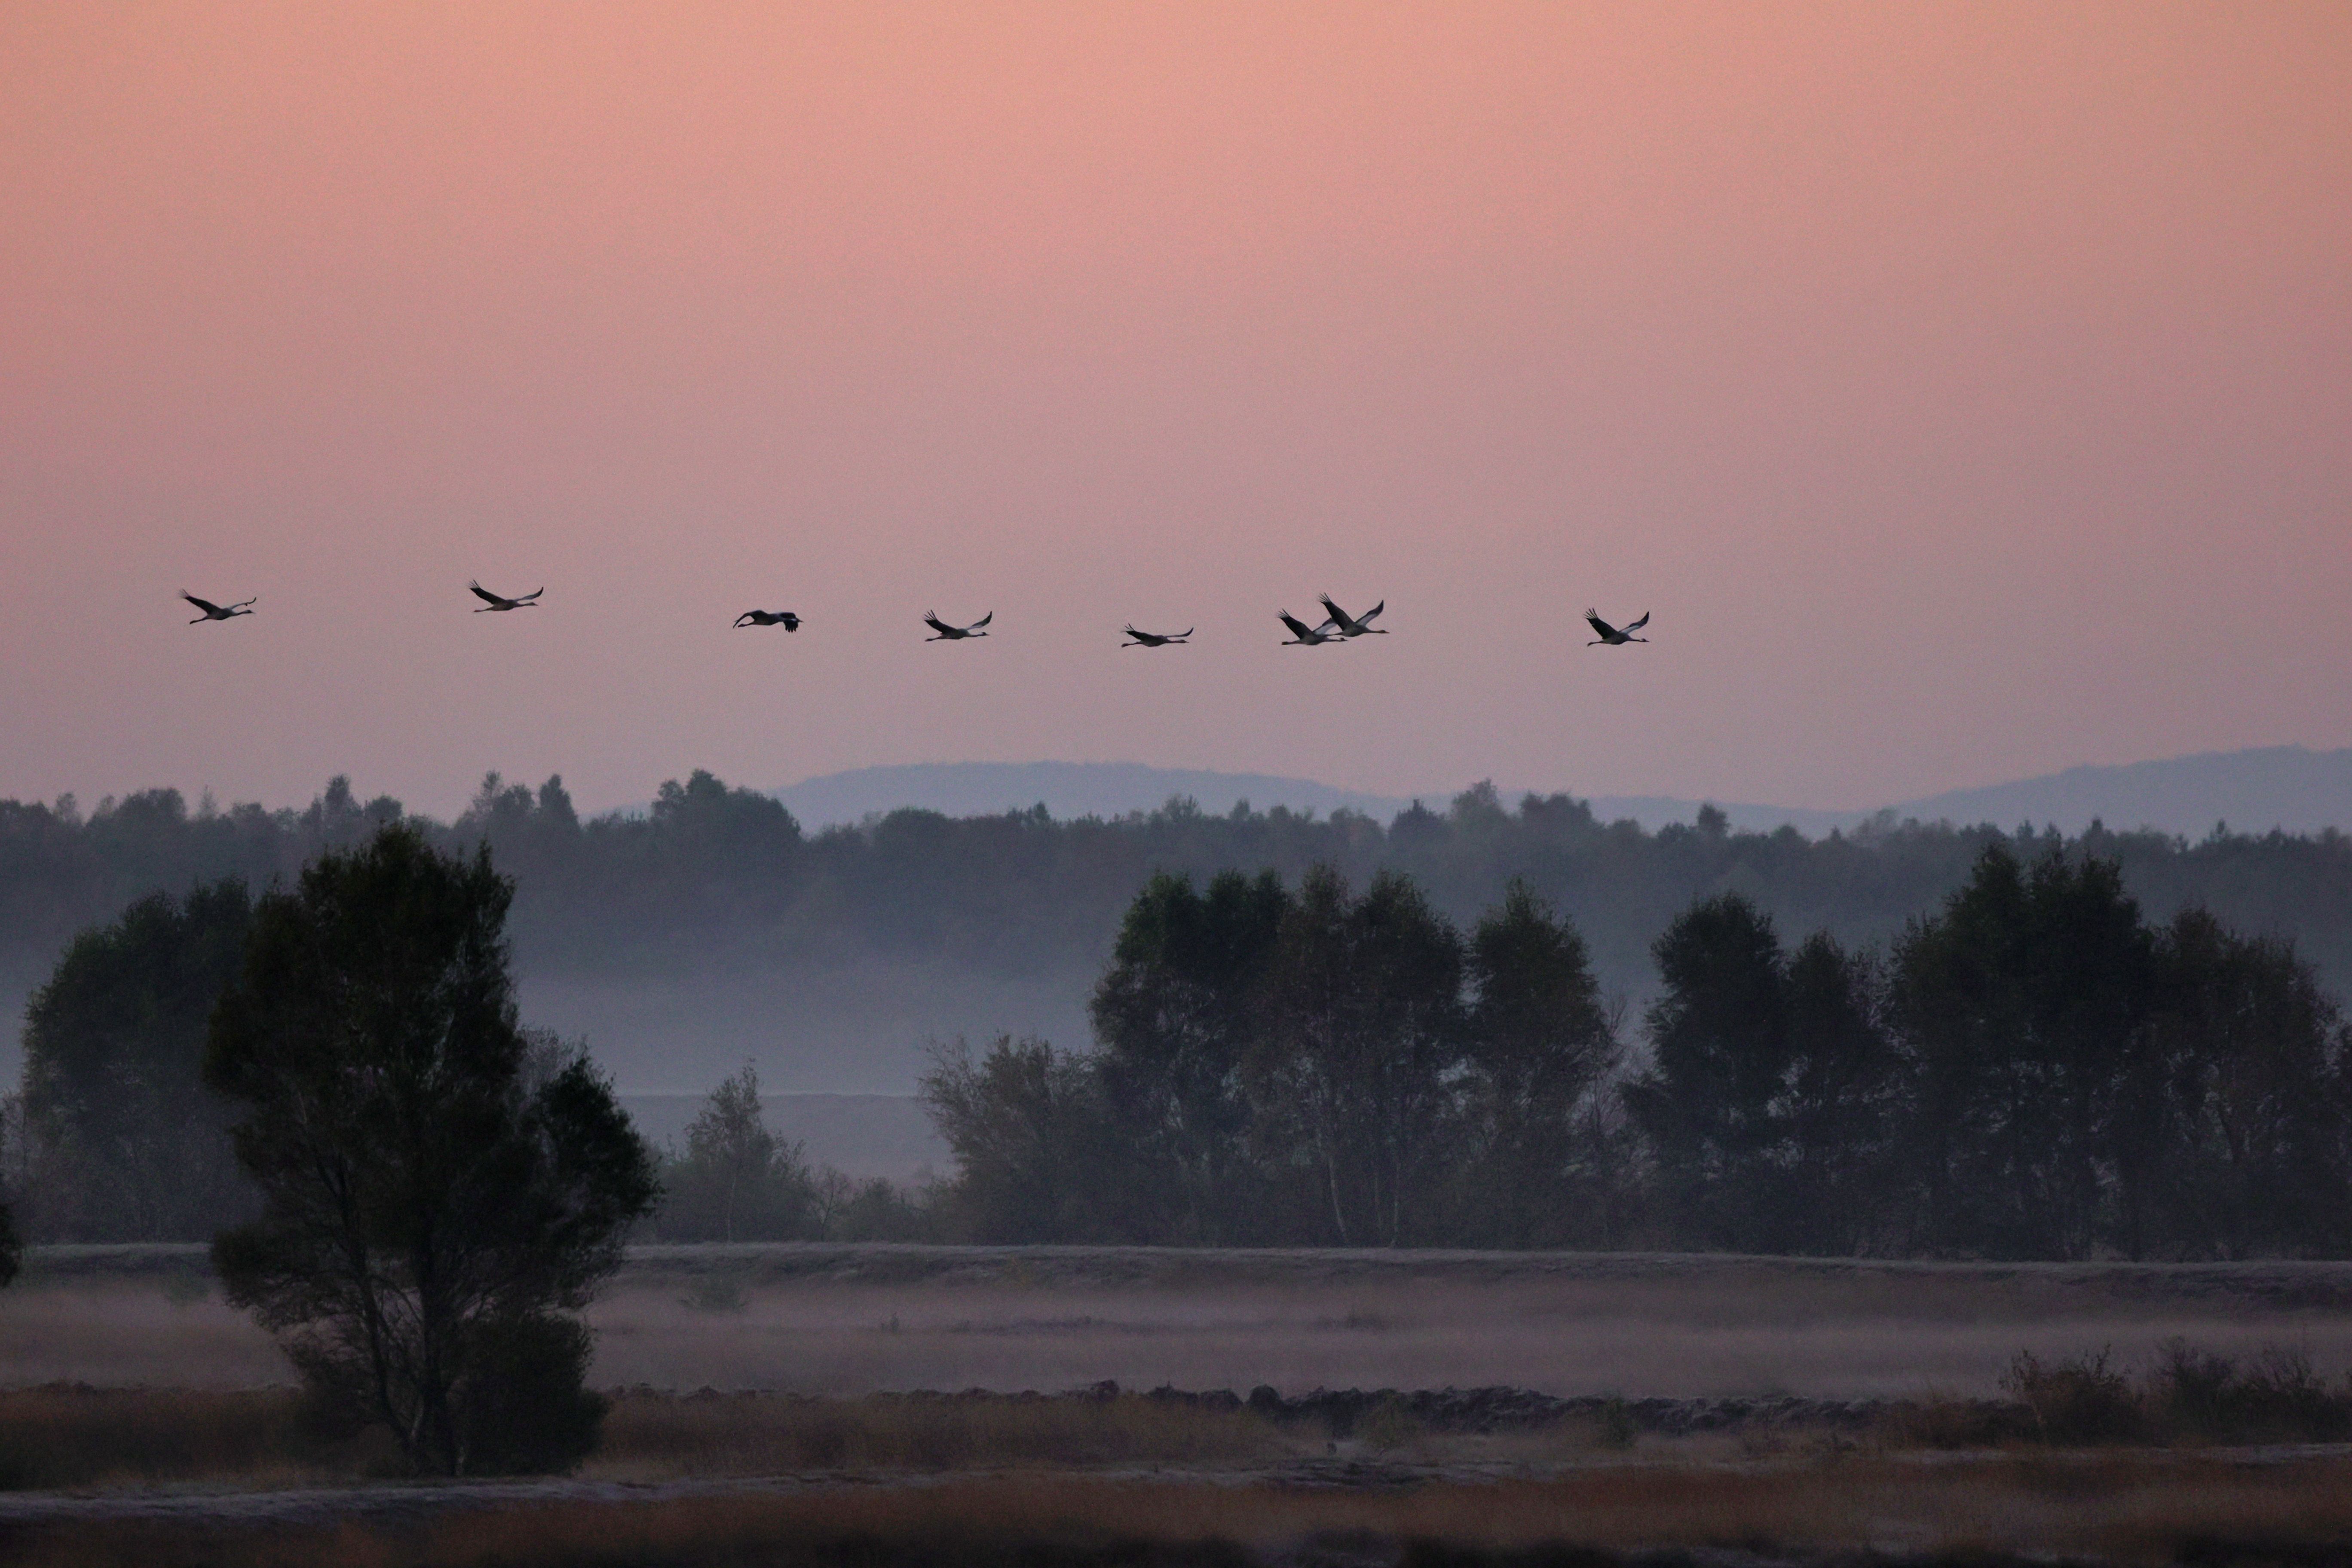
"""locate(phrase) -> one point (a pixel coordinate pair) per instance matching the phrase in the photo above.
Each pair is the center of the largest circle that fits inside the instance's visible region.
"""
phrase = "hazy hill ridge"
(2287, 787)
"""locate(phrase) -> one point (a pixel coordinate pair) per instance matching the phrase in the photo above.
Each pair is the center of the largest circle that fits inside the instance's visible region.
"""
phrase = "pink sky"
(1966, 389)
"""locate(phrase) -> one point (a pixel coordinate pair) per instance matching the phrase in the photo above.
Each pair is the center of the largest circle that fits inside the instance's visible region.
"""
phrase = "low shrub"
(2082, 1400)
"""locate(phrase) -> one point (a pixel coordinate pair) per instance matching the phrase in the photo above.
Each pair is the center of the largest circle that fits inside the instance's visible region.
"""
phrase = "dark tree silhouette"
(2022, 1006)
(113, 1073)
(1174, 1015)
(1839, 1108)
(2245, 1097)
(439, 1189)
(1539, 1045)
(737, 1180)
(1720, 1047)
(1364, 1027)
(1035, 1150)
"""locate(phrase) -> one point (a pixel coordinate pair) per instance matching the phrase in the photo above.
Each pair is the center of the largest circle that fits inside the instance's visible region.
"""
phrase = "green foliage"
(737, 1181)
(132, 1146)
(436, 1184)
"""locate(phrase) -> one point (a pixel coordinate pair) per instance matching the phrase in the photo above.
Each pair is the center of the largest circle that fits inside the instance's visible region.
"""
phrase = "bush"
(527, 1411)
(2083, 1400)
(2198, 1394)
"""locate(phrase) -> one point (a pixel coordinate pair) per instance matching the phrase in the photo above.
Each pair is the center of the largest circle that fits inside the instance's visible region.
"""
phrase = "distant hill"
(2287, 787)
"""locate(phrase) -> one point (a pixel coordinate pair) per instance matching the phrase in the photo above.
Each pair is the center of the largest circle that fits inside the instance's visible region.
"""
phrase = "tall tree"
(1174, 1015)
(1540, 1044)
(137, 1147)
(1712, 1100)
(2246, 1097)
(1036, 1156)
(439, 1192)
(2023, 1007)
(1840, 1104)
(1354, 1070)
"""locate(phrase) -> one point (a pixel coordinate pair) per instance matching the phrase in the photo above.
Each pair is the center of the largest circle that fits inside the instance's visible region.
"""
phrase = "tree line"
(2034, 1069)
(711, 876)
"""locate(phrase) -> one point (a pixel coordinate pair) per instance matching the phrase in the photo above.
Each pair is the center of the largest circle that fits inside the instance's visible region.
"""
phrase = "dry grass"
(69, 1436)
(66, 1437)
(653, 1435)
(2121, 1509)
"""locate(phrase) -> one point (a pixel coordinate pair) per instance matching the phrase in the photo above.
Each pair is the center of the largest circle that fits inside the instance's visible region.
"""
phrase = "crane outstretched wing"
(206, 606)
(1604, 628)
(1637, 626)
(932, 620)
(1298, 628)
(1366, 619)
(982, 621)
(484, 594)
(1340, 617)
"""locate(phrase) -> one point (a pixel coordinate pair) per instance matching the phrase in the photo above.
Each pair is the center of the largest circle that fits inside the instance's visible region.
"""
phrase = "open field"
(186, 1444)
(848, 1320)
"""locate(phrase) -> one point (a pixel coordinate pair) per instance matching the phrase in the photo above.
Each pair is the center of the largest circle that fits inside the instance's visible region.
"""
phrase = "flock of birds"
(1338, 626)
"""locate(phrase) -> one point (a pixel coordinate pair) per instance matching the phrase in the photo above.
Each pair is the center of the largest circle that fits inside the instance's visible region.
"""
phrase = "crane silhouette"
(785, 618)
(1611, 634)
(213, 612)
(1304, 636)
(499, 602)
(1154, 639)
(1349, 626)
(955, 633)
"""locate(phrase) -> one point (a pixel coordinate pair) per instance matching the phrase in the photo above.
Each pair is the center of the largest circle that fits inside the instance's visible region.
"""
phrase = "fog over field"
(864, 1028)
(851, 1320)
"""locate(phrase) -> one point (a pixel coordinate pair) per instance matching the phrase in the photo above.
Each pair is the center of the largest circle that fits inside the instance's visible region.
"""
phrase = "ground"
(1813, 1453)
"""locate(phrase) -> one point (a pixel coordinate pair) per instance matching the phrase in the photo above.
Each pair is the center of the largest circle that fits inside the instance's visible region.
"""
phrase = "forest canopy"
(717, 876)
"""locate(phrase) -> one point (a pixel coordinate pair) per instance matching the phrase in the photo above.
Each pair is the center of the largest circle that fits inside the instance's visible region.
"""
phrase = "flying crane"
(1304, 636)
(1611, 634)
(955, 633)
(1155, 640)
(213, 612)
(785, 618)
(1349, 626)
(499, 601)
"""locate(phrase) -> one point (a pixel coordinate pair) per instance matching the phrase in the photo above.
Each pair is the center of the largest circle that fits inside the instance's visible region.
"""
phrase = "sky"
(1965, 389)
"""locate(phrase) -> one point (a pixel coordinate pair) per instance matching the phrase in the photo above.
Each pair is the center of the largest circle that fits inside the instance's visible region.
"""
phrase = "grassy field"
(143, 1420)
